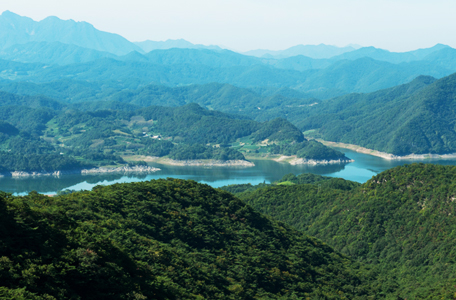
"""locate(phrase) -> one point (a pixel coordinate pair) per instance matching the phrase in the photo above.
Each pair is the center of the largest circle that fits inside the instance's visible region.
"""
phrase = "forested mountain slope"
(52, 53)
(52, 136)
(401, 222)
(397, 121)
(164, 239)
(86, 54)
(216, 96)
(177, 67)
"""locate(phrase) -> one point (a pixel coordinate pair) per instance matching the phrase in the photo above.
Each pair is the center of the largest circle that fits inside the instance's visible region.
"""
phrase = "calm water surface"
(364, 167)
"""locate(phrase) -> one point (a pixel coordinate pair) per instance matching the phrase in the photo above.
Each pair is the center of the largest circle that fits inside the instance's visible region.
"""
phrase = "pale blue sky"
(399, 25)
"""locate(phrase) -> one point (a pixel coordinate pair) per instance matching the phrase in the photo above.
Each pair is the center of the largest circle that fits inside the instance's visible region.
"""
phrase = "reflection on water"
(364, 167)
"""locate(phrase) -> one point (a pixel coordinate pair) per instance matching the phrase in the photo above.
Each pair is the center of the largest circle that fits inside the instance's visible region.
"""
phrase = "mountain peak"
(15, 29)
(10, 16)
(440, 46)
(8, 13)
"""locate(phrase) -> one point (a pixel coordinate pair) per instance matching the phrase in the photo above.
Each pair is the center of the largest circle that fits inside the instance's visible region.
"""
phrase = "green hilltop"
(412, 118)
(164, 239)
(44, 135)
(389, 238)
(401, 223)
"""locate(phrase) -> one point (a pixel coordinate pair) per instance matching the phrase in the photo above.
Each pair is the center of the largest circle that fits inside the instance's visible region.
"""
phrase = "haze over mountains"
(76, 99)
(72, 62)
(148, 45)
(15, 30)
(313, 51)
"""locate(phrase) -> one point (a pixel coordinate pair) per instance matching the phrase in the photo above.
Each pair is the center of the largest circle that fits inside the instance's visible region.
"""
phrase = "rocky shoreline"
(101, 170)
(211, 163)
(194, 163)
(385, 155)
(294, 160)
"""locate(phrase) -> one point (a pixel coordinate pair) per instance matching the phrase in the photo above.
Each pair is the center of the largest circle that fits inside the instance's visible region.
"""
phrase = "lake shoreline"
(190, 163)
(385, 155)
(294, 160)
(100, 170)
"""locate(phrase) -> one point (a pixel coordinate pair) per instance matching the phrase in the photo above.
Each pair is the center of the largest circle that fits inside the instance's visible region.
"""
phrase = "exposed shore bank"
(385, 155)
(195, 163)
(294, 160)
(101, 170)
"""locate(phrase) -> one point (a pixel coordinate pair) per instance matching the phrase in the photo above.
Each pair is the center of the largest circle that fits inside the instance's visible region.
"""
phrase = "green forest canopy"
(401, 223)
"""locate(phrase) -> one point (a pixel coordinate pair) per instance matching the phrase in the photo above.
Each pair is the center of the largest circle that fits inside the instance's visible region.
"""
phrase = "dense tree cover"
(322, 181)
(291, 179)
(100, 137)
(23, 152)
(105, 105)
(8, 99)
(401, 223)
(278, 130)
(188, 152)
(164, 239)
(217, 96)
(251, 102)
(8, 129)
(413, 118)
(30, 120)
(190, 128)
(66, 90)
(46, 162)
(154, 147)
(243, 187)
(308, 150)
(194, 124)
(26, 144)
(397, 120)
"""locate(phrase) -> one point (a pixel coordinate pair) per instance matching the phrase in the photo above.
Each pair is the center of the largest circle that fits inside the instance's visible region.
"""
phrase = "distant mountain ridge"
(392, 57)
(53, 50)
(312, 51)
(15, 29)
(149, 45)
(52, 53)
(177, 67)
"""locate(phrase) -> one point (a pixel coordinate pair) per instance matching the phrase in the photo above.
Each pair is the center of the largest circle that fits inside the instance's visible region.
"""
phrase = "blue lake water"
(364, 167)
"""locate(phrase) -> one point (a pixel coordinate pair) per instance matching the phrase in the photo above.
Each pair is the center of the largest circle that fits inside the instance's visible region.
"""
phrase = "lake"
(364, 167)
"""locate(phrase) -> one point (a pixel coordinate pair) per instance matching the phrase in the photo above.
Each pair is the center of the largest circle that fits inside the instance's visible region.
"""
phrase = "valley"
(177, 170)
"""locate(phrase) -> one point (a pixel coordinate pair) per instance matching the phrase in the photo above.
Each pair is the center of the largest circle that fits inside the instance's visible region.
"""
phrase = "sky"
(242, 25)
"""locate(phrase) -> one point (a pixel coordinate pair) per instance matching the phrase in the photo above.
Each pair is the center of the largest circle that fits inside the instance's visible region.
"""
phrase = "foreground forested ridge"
(164, 239)
(401, 223)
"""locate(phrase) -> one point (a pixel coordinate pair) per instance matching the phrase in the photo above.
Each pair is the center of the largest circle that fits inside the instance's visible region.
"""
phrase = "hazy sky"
(396, 25)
